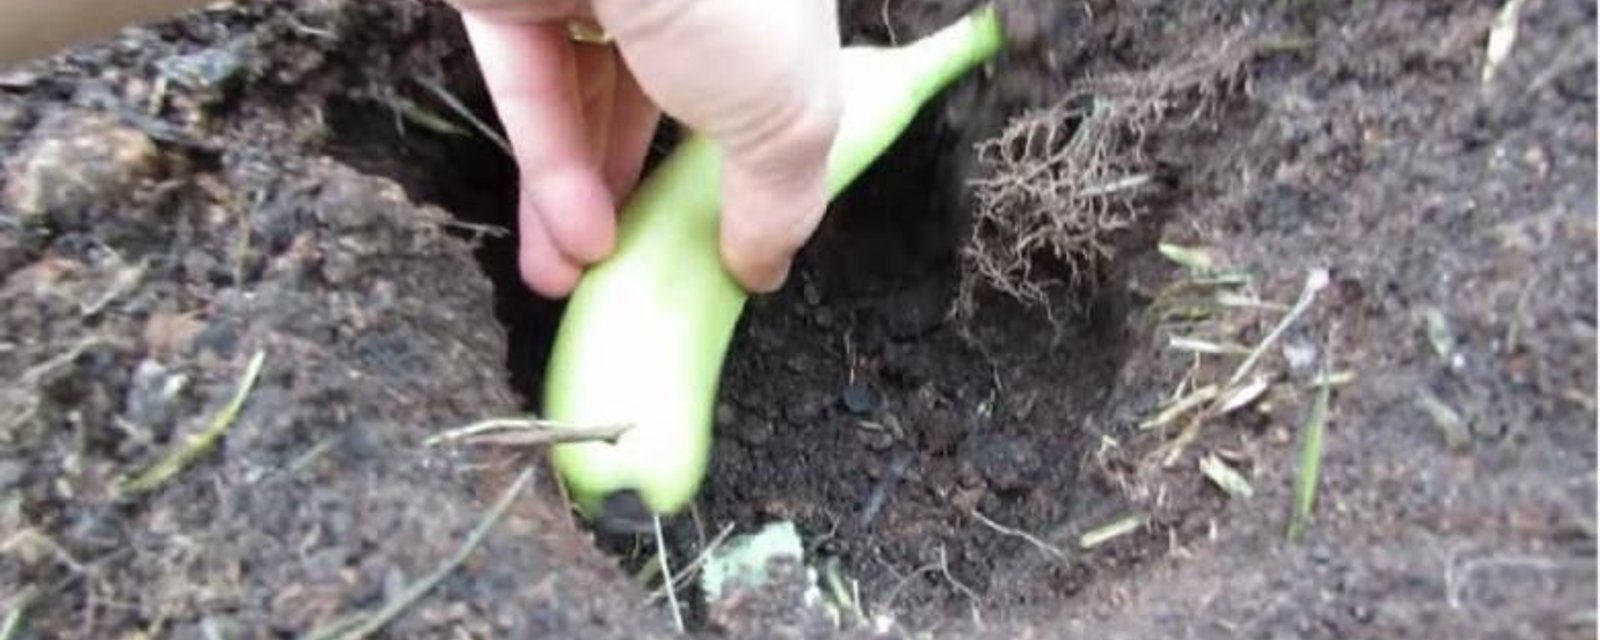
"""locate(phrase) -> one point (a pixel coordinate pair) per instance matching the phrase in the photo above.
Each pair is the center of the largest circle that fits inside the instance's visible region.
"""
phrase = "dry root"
(1057, 185)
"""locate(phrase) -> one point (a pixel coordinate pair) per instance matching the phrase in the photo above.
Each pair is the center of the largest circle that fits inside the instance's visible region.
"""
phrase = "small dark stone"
(1320, 554)
(859, 399)
(220, 275)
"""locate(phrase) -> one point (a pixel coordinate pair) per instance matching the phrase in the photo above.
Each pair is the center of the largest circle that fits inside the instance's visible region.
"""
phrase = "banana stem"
(646, 331)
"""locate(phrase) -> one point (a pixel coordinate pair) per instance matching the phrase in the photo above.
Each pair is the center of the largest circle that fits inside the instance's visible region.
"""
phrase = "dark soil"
(256, 179)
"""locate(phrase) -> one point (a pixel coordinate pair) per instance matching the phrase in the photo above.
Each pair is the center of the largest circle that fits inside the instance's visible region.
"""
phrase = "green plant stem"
(1310, 467)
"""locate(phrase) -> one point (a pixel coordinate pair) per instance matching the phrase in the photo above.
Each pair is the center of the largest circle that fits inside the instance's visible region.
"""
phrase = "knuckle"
(762, 244)
(808, 128)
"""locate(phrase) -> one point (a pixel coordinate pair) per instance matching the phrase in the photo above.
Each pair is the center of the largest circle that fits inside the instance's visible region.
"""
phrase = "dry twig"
(666, 576)
(526, 432)
(688, 572)
(1046, 547)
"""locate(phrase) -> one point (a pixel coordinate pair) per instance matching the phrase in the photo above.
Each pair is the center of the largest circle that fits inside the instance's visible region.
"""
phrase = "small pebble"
(859, 399)
(148, 402)
(1320, 554)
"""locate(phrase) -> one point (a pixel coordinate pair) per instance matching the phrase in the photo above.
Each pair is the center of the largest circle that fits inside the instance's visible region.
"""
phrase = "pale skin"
(759, 77)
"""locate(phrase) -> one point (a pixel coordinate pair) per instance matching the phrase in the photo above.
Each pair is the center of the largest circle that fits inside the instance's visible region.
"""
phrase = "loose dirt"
(950, 397)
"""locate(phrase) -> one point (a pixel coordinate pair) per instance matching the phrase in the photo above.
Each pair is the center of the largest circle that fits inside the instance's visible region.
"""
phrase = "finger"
(762, 227)
(762, 80)
(596, 76)
(546, 270)
(530, 72)
(774, 194)
(633, 126)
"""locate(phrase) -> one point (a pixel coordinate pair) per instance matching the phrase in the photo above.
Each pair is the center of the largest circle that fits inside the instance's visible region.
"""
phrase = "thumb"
(774, 194)
(771, 100)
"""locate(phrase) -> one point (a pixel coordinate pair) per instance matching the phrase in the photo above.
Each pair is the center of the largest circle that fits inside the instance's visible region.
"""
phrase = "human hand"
(760, 78)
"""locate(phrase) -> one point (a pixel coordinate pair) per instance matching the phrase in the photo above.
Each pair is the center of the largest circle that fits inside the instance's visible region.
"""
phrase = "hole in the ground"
(850, 403)
(853, 406)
